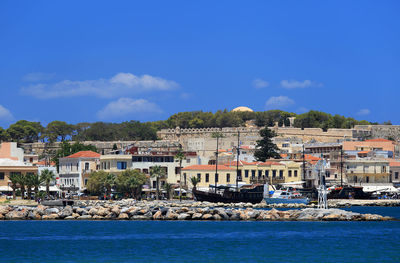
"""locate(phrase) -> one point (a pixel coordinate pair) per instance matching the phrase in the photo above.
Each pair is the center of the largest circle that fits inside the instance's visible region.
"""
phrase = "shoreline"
(195, 211)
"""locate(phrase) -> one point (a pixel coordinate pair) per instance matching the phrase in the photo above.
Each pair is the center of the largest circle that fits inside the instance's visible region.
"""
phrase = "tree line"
(24, 131)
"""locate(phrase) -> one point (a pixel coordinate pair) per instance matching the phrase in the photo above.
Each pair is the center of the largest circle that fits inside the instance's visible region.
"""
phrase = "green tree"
(30, 181)
(168, 189)
(46, 176)
(95, 182)
(130, 182)
(180, 156)
(194, 180)
(157, 172)
(58, 130)
(108, 182)
(265, 148)
(14, 178)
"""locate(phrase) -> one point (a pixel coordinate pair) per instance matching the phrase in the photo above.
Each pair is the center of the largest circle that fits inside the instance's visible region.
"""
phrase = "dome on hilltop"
(242, 108)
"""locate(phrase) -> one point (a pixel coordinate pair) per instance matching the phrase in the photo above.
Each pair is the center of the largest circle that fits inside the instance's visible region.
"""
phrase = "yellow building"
(271, 172)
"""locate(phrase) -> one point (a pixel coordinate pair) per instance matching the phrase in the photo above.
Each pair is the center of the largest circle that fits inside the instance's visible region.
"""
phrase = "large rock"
(67, 211)
(102, 211)
(17, 215)
(158, 215)
(123, 216)
(116, 210)
(52, 210)
(4, 210)
(97, 217)
(92, 211)
(208, 217)
(50, 217)
(81, 211)
(171, 215)
(197, 216)
(184, 216)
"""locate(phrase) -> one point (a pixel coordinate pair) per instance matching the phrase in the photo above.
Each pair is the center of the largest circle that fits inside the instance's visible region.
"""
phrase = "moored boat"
(230, 194)
(286, 197)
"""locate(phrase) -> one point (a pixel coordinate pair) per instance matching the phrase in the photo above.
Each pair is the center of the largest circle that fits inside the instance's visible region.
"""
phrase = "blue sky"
(113, 61)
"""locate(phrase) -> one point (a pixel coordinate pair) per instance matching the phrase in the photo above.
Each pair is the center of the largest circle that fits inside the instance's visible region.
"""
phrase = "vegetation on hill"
(26, 131)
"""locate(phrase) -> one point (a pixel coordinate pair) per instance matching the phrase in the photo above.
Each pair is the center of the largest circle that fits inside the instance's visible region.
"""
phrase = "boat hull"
(269, 200)
(231, 197)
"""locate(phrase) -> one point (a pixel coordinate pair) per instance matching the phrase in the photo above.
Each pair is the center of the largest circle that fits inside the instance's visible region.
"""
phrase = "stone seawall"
(131, 210)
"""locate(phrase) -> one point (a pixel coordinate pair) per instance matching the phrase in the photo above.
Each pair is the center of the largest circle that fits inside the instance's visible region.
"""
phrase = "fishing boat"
(231, 194)
(348, 192)
(286, 197)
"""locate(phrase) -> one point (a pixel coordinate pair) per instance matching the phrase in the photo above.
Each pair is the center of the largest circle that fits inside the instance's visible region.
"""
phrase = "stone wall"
(379, 131)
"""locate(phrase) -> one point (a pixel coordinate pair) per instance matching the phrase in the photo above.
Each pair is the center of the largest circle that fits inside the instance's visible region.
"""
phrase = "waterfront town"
(366, 156)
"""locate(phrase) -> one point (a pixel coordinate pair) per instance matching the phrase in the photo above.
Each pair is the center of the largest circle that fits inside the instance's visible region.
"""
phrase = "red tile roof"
(378, 140)
(206, 167)
(394, 164)
(45, 163)
(85, 154)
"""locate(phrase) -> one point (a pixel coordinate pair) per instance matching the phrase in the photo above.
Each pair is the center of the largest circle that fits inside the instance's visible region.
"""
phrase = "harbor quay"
(200, 211)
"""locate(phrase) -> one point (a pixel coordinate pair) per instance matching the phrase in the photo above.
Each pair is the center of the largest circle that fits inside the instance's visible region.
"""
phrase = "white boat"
(286, 197)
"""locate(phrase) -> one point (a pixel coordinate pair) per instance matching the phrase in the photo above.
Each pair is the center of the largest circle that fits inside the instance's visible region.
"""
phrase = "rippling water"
(168, 241)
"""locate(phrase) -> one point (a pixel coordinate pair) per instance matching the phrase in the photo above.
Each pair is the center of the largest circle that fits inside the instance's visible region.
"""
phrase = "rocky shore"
(163, 210)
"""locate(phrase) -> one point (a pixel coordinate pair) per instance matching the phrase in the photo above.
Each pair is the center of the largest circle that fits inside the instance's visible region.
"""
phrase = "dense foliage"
(26, 131)
(265, 148)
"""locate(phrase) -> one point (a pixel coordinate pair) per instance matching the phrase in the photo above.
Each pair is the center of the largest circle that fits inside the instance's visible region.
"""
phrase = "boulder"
(184, 216)
(171, 215)
(102, 211)
(197, 216)
(92, 211)
(332, 217)
(53, 210)
(116, 210)
(243, 216)
(67, 211)
(97, 217)
(75, 215)
(4, 210)
(69, 218)
(123, 216)
(40, 209)
(81, 211)
(50, 217)
(17, 215)
(158, 215)
(208, 217)
(217, 217)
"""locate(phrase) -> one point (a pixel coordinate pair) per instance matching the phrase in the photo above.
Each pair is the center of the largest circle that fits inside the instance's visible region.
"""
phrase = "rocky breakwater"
(111, 211)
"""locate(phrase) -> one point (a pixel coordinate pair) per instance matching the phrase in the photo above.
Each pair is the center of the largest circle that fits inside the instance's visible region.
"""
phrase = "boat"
(231, 194)
(348, 192)
(286, 197)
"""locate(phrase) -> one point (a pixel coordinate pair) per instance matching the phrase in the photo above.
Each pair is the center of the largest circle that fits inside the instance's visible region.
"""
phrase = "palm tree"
(157, 172)
(29, 179)
(36, 182)
(22, 183)
(14, 178)
(47, 176)
(109, 182)
(194, 180)
(179, 157)
(168, 188)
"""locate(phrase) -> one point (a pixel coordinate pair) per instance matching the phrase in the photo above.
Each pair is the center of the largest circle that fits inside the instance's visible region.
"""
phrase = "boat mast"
(341, 167)
(304, 167)
(216, 166)
(237, 162)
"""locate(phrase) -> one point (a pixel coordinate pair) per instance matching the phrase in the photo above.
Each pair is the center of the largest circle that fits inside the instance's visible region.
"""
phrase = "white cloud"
(122, 84)
(363, 112)
(259, 83)
(295, 84)
(5, 114)
(37, 76)
(126, 106)
(279, 101)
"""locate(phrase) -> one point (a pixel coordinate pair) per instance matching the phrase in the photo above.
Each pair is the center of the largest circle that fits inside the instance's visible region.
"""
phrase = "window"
(154, 184)
(281, 173)
(290, 173)
(1, 176)
(259, 174)
(87, 166)
(328, 174)
(187, 160)
(207, 178)
(177, 170)
(253, 173)
(367, 179)
(86, 180)
(267, 173)
(228, 178)
(199, 177)
(216, 178)
(246, 173)
(274, 173)
(396, 175)
(77, 167)
(121, 165)
(295, 173)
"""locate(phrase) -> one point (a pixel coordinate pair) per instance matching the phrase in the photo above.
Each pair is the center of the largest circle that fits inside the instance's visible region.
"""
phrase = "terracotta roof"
(362, 152)
(394, 163)
(378, 140)
(85, 154)
(206, 167)
(311, 157)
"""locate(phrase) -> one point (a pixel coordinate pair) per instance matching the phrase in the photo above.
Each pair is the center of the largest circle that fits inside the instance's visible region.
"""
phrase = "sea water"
(197, 241)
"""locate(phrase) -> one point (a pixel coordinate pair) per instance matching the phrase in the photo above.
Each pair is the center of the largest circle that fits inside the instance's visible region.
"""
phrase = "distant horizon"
(135, 60)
